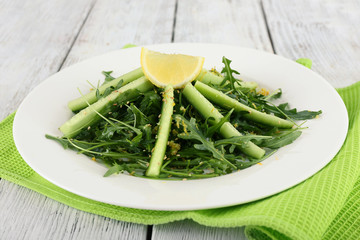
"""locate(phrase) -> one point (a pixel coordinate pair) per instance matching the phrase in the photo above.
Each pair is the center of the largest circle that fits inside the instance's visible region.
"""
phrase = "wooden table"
(39, 38)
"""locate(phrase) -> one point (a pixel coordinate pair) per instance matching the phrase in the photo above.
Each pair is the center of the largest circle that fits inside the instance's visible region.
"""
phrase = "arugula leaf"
(108, 76)
(136, 130)
(241, 140)
(63, 141)
(105, 93)
(151, 103)
(275, 95)
(139, 117)
(292, 113)
(192, 132)
(116, 168)
(228, 75)
(251, 162)
(281, 140)
(211, 130)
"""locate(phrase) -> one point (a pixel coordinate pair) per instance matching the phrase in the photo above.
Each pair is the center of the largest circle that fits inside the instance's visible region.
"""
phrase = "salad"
(173, 119)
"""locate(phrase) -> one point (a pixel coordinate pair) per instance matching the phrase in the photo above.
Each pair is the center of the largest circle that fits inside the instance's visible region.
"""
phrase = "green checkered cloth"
(325, 206)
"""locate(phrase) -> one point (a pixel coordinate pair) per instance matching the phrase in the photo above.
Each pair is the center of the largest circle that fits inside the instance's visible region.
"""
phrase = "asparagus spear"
(82, 102)
(158, 154)
(227, 130)
(227, 102)
(90, 115)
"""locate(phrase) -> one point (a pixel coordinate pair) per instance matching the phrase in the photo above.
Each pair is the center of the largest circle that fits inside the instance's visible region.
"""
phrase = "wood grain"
(238, 23)
(26, 214)
(34, 39)
(324, 31)
(103, 26)
(188, 230)
(113, 24)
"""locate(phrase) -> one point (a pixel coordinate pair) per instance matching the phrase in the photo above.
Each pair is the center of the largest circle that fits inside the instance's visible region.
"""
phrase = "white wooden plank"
(324, 31)
(238, 23)
(35, 36)
(227, 22)
(113, 24)
(188, 230)
(320, 30)
(26, 214)
(109, 26)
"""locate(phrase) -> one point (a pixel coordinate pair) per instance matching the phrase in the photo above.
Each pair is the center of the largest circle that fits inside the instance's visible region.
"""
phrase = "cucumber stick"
(82, 102)
(227, 130)
(227, 102)
(158, 154)
(210, 78)
(90, 115)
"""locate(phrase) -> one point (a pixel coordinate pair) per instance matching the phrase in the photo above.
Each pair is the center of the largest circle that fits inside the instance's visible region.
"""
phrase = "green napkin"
(325, 206)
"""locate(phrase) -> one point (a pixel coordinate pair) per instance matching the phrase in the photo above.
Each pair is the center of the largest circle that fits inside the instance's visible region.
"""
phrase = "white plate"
(45, 109)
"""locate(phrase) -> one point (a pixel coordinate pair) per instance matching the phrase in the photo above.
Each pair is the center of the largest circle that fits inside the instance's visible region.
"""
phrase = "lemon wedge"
(170, 69)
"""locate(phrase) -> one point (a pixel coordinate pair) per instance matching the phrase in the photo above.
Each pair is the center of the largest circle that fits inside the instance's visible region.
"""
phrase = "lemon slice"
(170, 69)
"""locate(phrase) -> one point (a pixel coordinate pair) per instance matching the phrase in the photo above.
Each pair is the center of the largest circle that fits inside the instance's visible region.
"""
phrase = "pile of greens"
(214, 126)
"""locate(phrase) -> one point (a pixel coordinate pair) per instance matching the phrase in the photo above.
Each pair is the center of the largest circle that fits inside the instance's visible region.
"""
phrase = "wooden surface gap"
(149, 232)
(174, 22)
(267, 26)
(77, 34)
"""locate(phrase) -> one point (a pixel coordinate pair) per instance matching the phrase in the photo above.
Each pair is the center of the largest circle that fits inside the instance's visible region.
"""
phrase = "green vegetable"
(92, 113)
(282, 139)
(259, 100)
(194, 133)
(283, 111)
(91, 97)
(158, 154)
(227, 130)
(220, 125)
(211, 78)
(108, 76)
(250, 113)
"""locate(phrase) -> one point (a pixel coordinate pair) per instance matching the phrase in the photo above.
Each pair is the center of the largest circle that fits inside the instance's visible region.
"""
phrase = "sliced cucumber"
(82, 102)
(90, 115)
